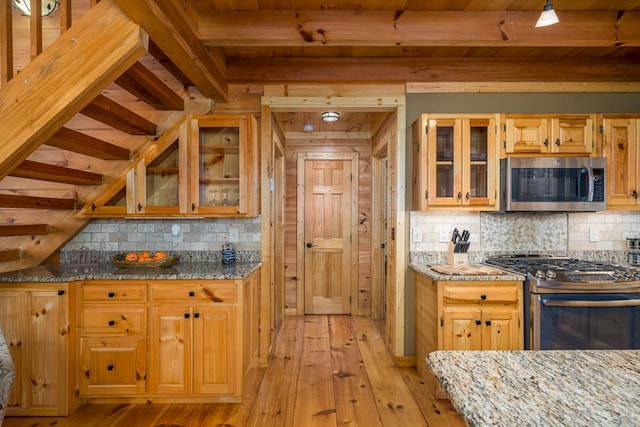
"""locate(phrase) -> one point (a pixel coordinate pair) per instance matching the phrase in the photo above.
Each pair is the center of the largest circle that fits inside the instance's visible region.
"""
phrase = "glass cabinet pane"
(478, 150)
(219, 166)
(162, 181)
(444, 161)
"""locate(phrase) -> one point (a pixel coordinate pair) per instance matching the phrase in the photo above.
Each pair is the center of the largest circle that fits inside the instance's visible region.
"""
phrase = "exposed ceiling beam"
(31, 202)
(401, 70)
(46, 172)
(81, 143)
(109, 43)
(113, 114)
(416, 28)
(171, 28)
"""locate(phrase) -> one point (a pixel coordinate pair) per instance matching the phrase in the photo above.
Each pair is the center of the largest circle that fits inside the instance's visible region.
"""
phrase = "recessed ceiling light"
(308, 127)
(330, 116)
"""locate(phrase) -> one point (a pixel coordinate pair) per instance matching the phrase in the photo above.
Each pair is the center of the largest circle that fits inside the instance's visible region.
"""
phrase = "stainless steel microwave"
(566, 184)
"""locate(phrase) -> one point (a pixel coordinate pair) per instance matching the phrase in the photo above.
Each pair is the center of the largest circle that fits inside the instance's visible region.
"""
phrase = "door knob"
(309, 244)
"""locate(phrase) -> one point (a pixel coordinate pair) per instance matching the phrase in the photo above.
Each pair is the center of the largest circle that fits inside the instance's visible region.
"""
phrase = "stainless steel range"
(574, 304)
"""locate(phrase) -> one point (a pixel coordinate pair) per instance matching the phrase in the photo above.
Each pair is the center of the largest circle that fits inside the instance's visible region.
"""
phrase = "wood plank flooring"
(325, 371)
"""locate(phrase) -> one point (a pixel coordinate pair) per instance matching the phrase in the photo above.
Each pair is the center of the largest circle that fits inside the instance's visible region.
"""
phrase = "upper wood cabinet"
(206, 165)
(620, 146)
(454, 161)
(535, 134)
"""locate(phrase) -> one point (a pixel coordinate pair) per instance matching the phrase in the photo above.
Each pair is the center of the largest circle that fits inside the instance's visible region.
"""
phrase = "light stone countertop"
(546, 388)
(427, 271)
(108, 271)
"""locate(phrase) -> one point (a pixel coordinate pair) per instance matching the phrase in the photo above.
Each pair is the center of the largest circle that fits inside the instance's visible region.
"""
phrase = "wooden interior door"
(330, 207)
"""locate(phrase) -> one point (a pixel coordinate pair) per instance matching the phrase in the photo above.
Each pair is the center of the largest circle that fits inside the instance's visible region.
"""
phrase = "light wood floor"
(325, 371)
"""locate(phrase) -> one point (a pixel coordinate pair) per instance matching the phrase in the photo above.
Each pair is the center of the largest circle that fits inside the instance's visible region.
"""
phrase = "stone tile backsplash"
(171, 235)
(564, 234)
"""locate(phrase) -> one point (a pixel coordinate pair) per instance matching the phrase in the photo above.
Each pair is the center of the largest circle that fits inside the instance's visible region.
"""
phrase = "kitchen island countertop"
(108, 271)
(542, 388)
(428, 271)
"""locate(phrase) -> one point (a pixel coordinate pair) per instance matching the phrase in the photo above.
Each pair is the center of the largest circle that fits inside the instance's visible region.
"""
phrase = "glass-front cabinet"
(205, 165)
(455, 161)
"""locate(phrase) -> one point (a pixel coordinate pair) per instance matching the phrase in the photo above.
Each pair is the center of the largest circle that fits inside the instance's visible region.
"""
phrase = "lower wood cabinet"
(167, 340)
(465, 315)
(40, 335)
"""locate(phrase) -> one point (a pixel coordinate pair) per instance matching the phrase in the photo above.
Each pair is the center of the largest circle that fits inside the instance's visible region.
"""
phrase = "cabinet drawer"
(113, 366)
(480, 294)
(115, 292)
(107, 320)
(219, 291)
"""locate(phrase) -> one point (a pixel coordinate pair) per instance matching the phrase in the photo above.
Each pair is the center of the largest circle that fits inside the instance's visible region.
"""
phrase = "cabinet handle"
(459, 195)
(111, 294)
(196, 315)
(110, 367)
(93, 207)
(193, 207)
(112, 322)
(186, 315)
(309, 244)
(478, 322)
(139, 207)
(546, 142)
(488, 322)
(634, 194)
(467, 196)
(60, 292)
(483, 297)
(192, 294)
(558, 142)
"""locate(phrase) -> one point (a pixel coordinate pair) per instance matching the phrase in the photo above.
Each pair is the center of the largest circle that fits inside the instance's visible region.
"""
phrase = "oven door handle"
(612, 303)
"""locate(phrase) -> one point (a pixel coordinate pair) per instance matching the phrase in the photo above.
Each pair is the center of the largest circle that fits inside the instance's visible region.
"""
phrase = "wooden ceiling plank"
(45, 172)
(32, 202)
(108, 43)
(171, 28)
(7, 230)
(113, 114)
(72, 140)
(402, 70)
(416, 28)
(141, 82)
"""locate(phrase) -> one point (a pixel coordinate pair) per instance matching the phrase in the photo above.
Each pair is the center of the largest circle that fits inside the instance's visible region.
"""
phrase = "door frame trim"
(300, 242)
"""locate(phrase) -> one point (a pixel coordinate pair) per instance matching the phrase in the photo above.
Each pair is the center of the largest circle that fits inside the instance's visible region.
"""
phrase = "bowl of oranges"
(144, 259)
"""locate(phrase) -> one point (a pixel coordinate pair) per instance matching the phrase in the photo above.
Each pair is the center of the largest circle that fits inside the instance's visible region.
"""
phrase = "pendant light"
(548, 16)
(24, 6)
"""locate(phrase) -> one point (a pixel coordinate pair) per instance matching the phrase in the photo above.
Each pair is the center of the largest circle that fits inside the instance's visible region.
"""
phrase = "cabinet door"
(170, 350)
(444, 167)
(571, 135)
(13, 318)
(461, 328)
(500, 329)
(217, 353)
(526, 135)
(620, 147)
(478, 162)
(112, 366)
(157, 184)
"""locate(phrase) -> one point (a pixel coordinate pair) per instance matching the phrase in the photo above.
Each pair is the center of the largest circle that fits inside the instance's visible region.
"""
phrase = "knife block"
(456, 258)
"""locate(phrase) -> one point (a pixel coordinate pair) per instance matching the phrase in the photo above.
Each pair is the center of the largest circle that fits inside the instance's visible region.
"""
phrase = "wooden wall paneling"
(266, 321)
(6, 42)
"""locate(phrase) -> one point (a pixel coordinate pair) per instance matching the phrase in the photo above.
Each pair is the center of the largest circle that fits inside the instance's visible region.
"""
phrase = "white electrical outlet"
(417, 235)
(444, 235)
(594, 234)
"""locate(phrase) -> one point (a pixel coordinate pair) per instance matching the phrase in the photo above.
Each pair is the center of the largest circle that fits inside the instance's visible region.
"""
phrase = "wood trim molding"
(516, 87)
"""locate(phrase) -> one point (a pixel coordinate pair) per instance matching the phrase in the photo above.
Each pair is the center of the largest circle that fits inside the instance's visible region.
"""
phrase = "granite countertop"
(541, 387)
(108, 271)
(425, 269)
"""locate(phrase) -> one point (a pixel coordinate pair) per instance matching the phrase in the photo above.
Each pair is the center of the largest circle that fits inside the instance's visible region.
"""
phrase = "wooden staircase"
(74, 120)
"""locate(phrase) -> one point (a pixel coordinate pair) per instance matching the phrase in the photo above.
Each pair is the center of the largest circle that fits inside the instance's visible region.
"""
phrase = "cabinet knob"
(139, 207)
(110, 367)
(192, 294)
(483, 297)
(467, 196)
(187, 315)
(634, 194)
(196, 315)
(60, 292)
(459, 195)
(93, 207)
(488, 322)
(558, 142)
(112, 322)
(309, 245)
(478, 322)
(193, 207)
(111, 294)
(546, 142)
